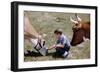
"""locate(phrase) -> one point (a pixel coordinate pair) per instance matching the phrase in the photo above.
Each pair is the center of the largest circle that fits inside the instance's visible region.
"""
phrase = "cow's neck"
(87, 34)
(86, 29)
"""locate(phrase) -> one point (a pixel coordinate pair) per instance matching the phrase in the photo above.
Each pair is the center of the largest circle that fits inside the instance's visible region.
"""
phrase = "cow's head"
(78, 32)
(39, 44)
(32, 35)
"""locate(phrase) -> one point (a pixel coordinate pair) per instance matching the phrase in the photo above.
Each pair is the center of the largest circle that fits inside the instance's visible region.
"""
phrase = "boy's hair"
(58, 31)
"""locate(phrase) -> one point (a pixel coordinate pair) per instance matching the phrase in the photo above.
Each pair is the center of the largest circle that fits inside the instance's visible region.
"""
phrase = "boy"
(62, 45)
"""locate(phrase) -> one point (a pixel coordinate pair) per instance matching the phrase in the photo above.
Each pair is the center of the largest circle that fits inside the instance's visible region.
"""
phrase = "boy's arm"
(60, 45)
(53, 46)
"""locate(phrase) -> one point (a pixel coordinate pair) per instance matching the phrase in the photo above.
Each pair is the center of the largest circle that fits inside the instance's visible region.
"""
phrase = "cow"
(33, 36)
(81, 31)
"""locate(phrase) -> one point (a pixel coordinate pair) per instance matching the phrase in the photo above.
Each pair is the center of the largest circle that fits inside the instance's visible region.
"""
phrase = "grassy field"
(47, 22)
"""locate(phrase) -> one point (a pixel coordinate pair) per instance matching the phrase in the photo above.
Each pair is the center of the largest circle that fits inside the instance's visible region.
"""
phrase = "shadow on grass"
(32, 53)
(36, 54)
(54, 55)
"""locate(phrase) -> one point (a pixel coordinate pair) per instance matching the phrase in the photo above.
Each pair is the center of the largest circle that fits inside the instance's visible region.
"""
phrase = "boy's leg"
(67, 49)
(60, 51)
(63, 51)
(65, 54)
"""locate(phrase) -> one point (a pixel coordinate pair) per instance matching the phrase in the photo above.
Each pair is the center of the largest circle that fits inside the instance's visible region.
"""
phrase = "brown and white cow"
(33, 36)
(81, 31)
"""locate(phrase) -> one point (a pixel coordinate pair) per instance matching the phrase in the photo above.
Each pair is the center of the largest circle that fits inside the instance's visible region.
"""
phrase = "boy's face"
(57, 36)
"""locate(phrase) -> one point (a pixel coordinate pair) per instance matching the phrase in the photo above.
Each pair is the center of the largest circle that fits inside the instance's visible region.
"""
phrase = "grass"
(47, 22)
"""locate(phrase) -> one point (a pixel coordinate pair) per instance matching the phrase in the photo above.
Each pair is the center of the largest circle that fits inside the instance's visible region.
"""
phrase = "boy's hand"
(54, 46)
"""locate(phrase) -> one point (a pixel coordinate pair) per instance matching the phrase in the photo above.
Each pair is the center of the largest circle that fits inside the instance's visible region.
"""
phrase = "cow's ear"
(39, 37)
(42, 36)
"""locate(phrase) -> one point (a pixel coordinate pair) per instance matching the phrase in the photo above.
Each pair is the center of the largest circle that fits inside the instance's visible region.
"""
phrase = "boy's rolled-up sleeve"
(63, 41)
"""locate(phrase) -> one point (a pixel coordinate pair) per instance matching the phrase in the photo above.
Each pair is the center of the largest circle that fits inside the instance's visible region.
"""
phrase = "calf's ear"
(41, 36)
(44, 35)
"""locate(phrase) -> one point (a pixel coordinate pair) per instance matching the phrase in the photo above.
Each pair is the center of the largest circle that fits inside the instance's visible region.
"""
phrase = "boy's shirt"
(64, 41)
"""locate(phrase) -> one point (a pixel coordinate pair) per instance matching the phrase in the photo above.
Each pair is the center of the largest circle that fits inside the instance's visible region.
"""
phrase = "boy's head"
(58, 33)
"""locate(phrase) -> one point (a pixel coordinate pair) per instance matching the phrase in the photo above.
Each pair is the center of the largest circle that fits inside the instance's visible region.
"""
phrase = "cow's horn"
(73, 20)
(78, 18)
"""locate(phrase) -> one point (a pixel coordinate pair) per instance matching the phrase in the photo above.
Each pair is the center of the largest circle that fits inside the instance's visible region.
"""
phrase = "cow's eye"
(76, 24)
(43, 43)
